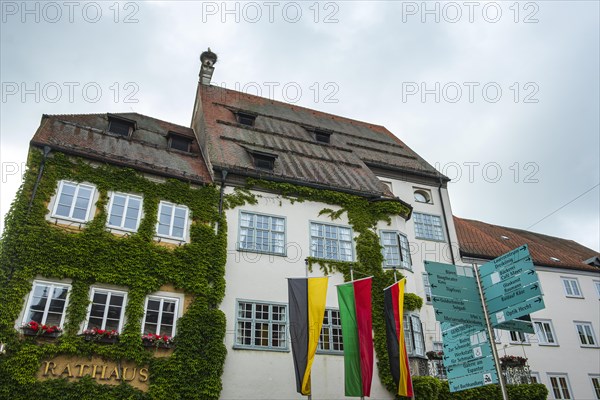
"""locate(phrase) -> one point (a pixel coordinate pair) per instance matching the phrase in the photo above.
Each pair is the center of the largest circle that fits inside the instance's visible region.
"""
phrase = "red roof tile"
(481, 240)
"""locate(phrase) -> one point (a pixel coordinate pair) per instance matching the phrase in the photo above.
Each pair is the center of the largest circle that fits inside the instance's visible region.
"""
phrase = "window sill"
(64, 221)
(120, 231)
(261, 252)
(387, 267)
(574, 297)
(519, 343)
(317, 259)
(258, 348)
(431, 240)
(589, 346)
(330, 352)
(549, 344)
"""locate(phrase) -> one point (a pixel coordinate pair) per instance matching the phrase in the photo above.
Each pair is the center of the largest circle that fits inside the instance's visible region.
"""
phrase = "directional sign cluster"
(511, 287)
(510, 290)
(467, 356)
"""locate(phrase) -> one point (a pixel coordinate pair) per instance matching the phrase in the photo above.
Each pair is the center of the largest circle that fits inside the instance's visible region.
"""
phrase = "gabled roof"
(288, 131)
(147, 150)
(486, 241)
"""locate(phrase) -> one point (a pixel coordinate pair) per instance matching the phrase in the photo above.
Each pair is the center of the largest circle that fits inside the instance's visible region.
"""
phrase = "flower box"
(100, 339)
(512, 361)
(33, 328)
(158, 345)
(100, 335)
(158, 341)
(435, 355)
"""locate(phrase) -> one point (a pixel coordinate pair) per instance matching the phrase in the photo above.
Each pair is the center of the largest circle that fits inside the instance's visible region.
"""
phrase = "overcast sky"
(502, 97)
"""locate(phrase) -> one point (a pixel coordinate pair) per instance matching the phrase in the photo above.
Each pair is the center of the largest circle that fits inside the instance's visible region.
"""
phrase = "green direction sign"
(455, 355)
(465, 343)
(477, 366)
(438, 289)
(510, 313)
(509, 285)
(449, 274)
(504, 260)
(458, 318)
(472, 381)
(453, 305)
(517, 325)
(513, 298)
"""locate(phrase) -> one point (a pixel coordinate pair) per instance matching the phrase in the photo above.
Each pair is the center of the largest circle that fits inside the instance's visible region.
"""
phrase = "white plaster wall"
(260, 374)
(569, 357)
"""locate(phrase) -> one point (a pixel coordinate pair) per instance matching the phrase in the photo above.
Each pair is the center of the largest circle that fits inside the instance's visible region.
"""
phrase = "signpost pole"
(490, 333)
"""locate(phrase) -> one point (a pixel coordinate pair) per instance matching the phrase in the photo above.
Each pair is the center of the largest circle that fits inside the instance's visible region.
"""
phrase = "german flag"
(357, 334)
(394, 308)
(307, 309)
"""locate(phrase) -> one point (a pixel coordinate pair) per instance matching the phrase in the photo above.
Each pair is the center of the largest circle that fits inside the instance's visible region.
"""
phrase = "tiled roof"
(286, 130)
(480, 240)
(147, 149)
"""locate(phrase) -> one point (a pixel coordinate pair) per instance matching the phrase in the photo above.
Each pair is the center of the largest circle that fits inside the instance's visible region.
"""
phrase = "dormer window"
(322, 136)
(262, 160)
(121, 126)
(245, 118)
(179, 142)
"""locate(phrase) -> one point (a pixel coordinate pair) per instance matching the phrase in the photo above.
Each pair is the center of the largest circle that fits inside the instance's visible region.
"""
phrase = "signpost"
(470, 301)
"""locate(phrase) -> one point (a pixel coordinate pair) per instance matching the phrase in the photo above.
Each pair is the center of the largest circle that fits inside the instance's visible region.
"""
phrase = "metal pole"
(490, 333)
(306, 274)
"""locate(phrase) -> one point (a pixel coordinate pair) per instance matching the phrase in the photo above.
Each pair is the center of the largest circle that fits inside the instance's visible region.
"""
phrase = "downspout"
(39, 177)
(446, 221)
(223, 177)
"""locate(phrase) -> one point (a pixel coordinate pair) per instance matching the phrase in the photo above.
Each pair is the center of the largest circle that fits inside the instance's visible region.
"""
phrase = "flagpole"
(306, 275)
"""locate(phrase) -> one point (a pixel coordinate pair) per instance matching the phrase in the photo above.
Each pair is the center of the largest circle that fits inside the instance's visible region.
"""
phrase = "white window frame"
(127, 196)
(536, 376)
(518, 334)
(429, 226)
(26, 313)
(591, 332)
(543, 341)
(551, 388)
(572, 283)
(597, 285)
(498, 333)
(427, 288)
(426, 193)
(253, 320)
(330, 326)
(184, 237)
(403, 247)
(595, 389)
(162, 297)
(337, 227)
(90, 206)
(413, 338)
(110, 292)
(269, 233)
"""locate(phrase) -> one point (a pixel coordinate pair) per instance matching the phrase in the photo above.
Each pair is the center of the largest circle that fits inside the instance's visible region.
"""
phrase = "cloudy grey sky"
(502, 97)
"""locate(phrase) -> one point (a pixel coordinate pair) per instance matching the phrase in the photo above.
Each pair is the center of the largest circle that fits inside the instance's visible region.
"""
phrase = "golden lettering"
(81, 368)
(143, 374)
(114, 372)
(94, 371)
(125, 374)
(48, 368)
(67, 370)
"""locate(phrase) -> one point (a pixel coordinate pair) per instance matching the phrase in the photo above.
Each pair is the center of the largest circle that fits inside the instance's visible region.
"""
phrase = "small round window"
(422, 196)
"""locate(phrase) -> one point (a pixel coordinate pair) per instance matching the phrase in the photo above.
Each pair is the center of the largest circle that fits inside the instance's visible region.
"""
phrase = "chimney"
(208, 60)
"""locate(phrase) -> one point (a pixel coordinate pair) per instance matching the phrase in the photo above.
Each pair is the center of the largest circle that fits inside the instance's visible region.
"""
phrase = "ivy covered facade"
(152, 257)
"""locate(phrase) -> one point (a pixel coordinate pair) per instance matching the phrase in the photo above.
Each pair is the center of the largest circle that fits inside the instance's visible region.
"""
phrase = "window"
(545, 332)
(261, 233)
(330, 242)
(47, 303)
(597, 284)
(74, 201)
(245, 118)
(172, 220)
(518, 337)
(413, 335)
(427, 287)
(497, 335)
(422, 196)
(322, 136)
(595, 385)
(586, 334)
(178, 142)
(261, 326)
(160, 315)
(571, 286)
(396, 252)
(560, 386)
(428, 226)
(264, 161)
(121, 127)
(535, 377)
(330, 339)
(124, 211)
(438, 365)
(106, 310)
